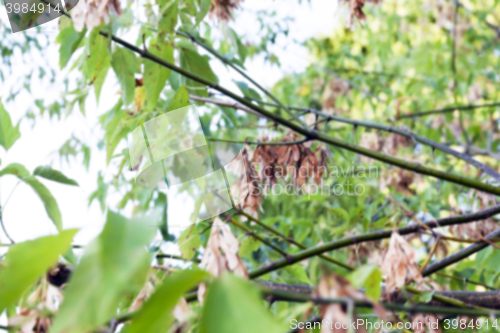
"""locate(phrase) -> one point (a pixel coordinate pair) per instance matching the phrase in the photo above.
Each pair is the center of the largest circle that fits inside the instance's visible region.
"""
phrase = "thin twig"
(262, 240)
(3, 227)
(260, 143)
(449, 109)
(294, 242)
(456, 257)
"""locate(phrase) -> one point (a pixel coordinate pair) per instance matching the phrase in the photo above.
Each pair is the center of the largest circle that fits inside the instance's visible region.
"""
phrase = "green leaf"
(70, 40)
(8, 133)
(298, 272)
(124, 64)
(195, 63)
(234, 305)
(339, 214)
(155, 75)
(156, 313)
(247, 91)
(48, 173)
(204, 8)
(168, 19)
(26, 262)
(95, 54)
(44, 194)
(189, 241)
(370, 278)
(100, 193)
(248, 245)
(180, 99)
(101, 76)
(424, 297)
(113, 268)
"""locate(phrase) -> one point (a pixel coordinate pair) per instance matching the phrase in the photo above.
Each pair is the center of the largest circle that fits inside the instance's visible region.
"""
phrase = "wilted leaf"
(399, 264)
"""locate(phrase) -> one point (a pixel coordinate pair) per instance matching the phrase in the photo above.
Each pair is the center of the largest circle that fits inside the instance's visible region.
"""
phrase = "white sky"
(25, 216)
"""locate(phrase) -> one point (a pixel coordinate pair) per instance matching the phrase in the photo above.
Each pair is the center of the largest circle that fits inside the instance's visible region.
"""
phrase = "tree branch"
(301, 298)
(488, 299)
(391, 129)
(294, 242)
(449, 109)
(307, 132)
(476, 247)
(372, 236)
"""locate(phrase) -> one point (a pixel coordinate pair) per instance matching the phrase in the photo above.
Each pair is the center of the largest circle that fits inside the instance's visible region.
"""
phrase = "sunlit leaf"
(28, 261)
(8, 133)
(113, 266)
(233, 305)
(44, 194)
(124, 65)
(156, 314)
(57, 176)
(155, 75)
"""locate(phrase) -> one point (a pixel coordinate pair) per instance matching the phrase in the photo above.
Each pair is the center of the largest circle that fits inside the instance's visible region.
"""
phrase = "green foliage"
(189, 241)
(368, 277)
(156, 314)
(57, 176)
(97, 61)
(233, 305)
(70, 40)
(113, 267)
(195, 63)
(44, 194)
(180, 99)
(168, 17)
(8, 133)
(155, 75)
(397, 63)
(124, 64)
(26, 262)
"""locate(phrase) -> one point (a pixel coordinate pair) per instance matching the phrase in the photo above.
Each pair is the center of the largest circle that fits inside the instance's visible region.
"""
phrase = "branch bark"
(487, 299)
(457, 256)
(367, 124)
(371, 236)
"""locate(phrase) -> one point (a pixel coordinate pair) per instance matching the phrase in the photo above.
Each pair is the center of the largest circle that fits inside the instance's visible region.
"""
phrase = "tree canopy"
(372, 173)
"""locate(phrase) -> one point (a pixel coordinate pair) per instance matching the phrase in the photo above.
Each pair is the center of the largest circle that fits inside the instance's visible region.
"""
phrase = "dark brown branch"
(487, 299)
